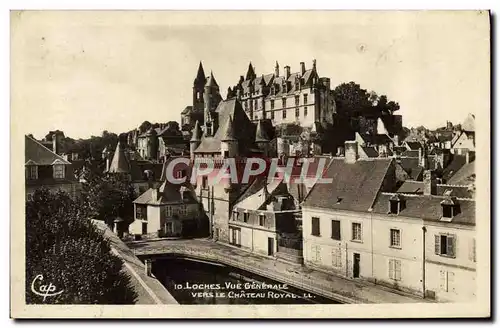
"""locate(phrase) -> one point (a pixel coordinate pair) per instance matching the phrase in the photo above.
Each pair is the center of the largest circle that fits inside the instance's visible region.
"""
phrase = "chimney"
(302, 68)
(429, 183)
(154, 194)
(287, 72)
(351, 152)
(55, 143)
(277, 70)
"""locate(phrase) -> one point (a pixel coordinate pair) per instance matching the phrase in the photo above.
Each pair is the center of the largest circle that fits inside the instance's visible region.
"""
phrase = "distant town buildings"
(45, 168)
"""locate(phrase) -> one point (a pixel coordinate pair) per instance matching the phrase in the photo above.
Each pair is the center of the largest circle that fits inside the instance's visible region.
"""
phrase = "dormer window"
(395, 204)
(449, 209)
(58, 170)
(31, 172)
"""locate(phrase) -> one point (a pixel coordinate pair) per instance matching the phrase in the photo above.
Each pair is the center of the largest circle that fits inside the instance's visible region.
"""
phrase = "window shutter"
(397, 269)
(391, 269)
(442, 281)
(437, 244)
(451, 246)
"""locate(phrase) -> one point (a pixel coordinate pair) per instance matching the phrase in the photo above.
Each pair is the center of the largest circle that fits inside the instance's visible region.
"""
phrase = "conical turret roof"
(260, 133)
(200, 76)
(119, 164)
(196, 132)
(250, 72)
(228, 130)
(211, 81)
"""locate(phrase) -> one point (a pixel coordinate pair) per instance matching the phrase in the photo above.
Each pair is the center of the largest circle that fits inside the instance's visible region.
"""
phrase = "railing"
(254, 267)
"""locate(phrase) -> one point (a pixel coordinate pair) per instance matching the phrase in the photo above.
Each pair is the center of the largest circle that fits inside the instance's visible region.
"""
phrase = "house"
(265, 221)
(167, 211)
(336, 216)
(45, 168)
(357, 227)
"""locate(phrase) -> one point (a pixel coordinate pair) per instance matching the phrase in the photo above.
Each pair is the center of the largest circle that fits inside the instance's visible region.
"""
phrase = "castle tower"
(210, 98)
(198, 89)
(261, 139)
(229, 144)
(195, 139)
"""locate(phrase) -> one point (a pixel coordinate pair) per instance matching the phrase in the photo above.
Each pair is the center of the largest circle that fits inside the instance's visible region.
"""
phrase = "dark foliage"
(68, 250)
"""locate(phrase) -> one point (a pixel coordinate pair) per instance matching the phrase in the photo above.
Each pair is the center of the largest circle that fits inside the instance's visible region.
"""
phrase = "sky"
(85, 72)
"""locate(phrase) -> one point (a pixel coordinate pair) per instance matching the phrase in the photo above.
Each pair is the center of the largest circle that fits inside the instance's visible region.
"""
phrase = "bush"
(72, 254)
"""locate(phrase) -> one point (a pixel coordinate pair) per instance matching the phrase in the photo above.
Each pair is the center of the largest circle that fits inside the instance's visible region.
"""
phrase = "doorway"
(270, 246)
(355, 267)
(144, 228)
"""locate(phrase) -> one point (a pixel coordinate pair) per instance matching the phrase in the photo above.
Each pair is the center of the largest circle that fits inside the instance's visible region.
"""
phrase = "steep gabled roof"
(200, 76)
(353, 187)
(260, 134)
(464, 176)
(35, 152)
(469, 124)
(227, 133)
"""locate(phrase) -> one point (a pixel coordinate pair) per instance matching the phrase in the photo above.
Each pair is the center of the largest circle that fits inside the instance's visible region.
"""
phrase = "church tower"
(211, 100)
(198, 89)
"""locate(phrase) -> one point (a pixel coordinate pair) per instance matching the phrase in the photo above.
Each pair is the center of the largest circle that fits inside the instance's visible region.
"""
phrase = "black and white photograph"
(232, 164)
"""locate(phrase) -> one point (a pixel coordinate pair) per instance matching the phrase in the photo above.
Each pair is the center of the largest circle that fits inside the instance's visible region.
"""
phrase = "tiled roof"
(427, 208)
(456, 191)
(167, 194)
(354, 186)
(370, 151)
(414, 145)
(411, 187)
(244, 133)
(410, 153)
(258, 199)
(376, 139)
(411, 166)
(39, 154)
(464, 176)
(455, 165)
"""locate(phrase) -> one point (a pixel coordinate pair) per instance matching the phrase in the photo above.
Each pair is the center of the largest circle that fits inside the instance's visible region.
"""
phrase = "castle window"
(256, 104)
(272, 104)
(283, 102)
(284, 113)
(305, 111)
(272, 115)
(297, 112)
(297, 100)
(305, 99)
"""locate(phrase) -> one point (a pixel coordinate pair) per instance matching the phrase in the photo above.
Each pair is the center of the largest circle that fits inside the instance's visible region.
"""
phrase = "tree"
(351, 99)
(107, 197)
(71, 253)
(146, 125)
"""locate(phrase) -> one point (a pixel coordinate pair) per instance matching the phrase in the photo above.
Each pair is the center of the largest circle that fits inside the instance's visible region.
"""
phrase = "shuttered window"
(336, 229)
(444, 245)
(395, 269)
(337, 258)
(315, 226)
